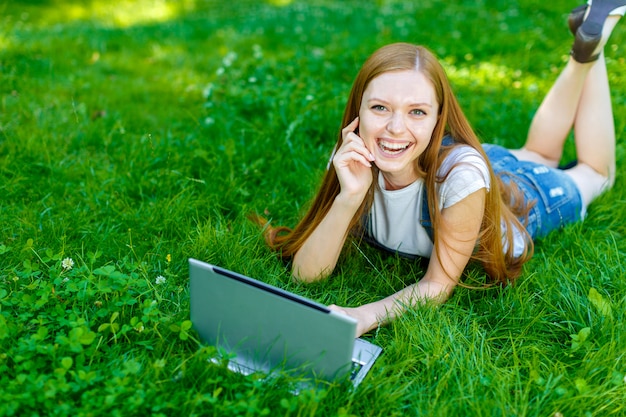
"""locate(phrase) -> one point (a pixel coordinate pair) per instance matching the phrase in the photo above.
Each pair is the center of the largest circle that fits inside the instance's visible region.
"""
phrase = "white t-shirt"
(394, 219)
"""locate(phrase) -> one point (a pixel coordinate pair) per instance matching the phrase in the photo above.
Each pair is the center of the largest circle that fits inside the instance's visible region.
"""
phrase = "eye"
(378, 107)
(417, 112)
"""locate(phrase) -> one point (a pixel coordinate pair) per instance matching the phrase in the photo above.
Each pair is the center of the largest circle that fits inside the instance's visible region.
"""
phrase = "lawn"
(137, 134)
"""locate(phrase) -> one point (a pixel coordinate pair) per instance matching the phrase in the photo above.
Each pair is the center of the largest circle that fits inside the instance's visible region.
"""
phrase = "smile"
(393, 148)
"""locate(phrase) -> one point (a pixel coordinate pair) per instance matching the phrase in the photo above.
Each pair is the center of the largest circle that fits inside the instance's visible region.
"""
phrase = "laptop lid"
(266, 328)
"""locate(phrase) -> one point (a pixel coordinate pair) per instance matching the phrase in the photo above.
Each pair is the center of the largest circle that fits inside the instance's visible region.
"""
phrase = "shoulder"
(462, 172)
(463, 157)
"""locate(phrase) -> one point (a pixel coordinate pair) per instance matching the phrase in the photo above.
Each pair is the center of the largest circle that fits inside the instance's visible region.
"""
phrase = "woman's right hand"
(352, 162)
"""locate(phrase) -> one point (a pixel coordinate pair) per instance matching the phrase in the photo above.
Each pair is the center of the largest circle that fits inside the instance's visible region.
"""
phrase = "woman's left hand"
(364, 321)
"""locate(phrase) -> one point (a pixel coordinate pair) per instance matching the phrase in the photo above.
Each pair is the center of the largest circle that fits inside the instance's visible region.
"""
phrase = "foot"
(589, 33)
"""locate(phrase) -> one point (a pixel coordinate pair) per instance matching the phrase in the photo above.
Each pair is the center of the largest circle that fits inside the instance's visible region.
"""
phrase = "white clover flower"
(228, 60)
(257, 51)
(207, 90)
(318, 52)
(160, 280)
(67, 263)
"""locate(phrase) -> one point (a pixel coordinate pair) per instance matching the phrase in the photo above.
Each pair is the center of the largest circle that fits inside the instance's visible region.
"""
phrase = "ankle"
(618, 11)
(609, 24)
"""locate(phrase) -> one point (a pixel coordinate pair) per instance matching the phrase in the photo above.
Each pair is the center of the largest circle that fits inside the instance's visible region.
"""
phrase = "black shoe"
(589, 34)
(576, 17)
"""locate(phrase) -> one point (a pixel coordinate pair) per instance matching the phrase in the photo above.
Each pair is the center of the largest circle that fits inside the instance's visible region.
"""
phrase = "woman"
(409, 174)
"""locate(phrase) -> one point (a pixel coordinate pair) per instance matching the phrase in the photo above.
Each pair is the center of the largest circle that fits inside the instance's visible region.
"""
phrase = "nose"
(396, 123)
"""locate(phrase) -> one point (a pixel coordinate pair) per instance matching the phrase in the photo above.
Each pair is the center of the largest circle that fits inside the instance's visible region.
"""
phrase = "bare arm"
(457, 240)
(318, 256)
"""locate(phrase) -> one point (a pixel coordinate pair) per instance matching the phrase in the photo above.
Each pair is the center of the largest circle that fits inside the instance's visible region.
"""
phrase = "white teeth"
(393, 147)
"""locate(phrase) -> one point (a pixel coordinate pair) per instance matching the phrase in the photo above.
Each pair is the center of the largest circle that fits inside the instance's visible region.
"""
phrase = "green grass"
(134, 135)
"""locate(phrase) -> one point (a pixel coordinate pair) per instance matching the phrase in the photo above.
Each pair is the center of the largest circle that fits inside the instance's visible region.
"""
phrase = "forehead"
(406, 84)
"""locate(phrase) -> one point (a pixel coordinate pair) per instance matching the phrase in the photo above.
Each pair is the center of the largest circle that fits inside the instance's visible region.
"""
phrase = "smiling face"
(398, 114)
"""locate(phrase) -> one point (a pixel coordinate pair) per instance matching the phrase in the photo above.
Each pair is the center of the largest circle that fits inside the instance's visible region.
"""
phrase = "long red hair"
(499, 264)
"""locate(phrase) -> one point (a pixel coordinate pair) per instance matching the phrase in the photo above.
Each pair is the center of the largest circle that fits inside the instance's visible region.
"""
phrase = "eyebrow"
(410, 105)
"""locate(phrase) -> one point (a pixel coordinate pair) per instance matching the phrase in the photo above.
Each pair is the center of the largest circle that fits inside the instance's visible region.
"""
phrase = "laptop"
(261, 328)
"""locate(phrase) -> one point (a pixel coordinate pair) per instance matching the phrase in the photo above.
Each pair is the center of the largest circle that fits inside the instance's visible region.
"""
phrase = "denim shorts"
(556, 198)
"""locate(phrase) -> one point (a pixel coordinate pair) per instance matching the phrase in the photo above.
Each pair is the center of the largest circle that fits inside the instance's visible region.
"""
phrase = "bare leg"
(555, 116)
(594, 128)
(580, 98)
(594, 134)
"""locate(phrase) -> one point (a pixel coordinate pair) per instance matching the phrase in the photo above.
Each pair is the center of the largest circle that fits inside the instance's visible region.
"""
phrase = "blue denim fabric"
(556, 198)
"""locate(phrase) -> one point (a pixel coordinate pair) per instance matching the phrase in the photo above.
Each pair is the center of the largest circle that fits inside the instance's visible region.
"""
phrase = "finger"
(350, 128)
(336, 308)
(352, 139)
(353, 152)
(350, 158)
(354, 142)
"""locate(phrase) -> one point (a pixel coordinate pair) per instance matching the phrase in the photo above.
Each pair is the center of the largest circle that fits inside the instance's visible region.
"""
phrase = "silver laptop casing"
(260, 327)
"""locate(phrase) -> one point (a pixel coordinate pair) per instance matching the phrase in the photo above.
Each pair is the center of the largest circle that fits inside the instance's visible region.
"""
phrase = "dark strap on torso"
(425, 214)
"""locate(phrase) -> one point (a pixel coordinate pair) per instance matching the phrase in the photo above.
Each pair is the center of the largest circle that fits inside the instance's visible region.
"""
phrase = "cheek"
(424, 131)
(366, 127)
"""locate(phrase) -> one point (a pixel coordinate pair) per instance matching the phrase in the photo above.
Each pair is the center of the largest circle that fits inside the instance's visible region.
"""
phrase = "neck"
(397, 183)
